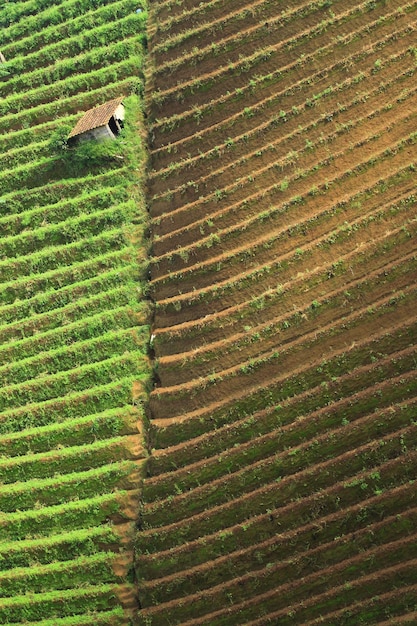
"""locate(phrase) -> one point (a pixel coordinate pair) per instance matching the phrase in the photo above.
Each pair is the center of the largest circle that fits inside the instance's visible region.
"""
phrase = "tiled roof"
(93, 118)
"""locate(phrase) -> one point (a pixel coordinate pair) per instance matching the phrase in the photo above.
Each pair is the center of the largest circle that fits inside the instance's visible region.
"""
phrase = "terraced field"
(73, 317)
(281, 488)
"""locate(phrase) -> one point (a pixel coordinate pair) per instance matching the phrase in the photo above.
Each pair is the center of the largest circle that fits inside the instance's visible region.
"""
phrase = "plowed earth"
(282, 195)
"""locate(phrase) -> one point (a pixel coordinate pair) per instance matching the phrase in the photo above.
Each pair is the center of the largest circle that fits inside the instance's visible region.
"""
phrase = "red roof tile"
(93, 118)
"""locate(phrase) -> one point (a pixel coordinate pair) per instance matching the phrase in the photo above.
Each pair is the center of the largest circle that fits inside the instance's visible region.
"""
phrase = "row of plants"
(34, 16)
(263, 92)
(286, 224)
(320, 107)
(90, 351)
(310, 521)
(240, 151)
(38, 37)
(275, 569)
(68, 230)
(366, 193)
(310, 377)
(181, 40)
(114, 617)
(265, 58)
(294, 564)
(70, 104)
(289, 32)
(63, 89)
(73, 324)
(75, 432)
(111, 395)
(290, 169)
(63, 459)
(279, 464)
(284, 310)
(280, 488)
(63, 546)
(31, 70)
(325, 251)
(213, 441)
(273, 363)
(60, 603)
(35, 217)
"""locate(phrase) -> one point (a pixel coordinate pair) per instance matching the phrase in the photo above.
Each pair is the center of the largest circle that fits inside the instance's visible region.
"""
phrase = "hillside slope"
(282, 195)
(73, 320)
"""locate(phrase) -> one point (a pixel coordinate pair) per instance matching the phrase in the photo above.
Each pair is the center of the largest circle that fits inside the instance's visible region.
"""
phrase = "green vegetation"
(73, 318)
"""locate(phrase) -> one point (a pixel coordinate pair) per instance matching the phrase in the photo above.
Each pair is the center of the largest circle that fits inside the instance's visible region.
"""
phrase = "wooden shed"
(103, 122)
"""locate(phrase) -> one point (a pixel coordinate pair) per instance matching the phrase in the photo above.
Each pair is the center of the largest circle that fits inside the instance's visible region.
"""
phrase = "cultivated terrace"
(281, 189)
(262, 254)
(73, 318)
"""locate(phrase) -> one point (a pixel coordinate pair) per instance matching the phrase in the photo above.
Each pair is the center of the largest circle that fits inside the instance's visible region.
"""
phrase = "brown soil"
(281, 192)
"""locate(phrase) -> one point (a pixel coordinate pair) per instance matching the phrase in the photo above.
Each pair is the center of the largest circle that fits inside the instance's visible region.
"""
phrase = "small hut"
(102, 122)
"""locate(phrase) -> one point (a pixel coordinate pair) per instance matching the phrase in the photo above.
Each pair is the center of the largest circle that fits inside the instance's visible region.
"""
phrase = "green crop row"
(61, 603)
(75, 316)
(23, 10)
(115, 617)
(70, 516)
(58, 547)
(62, 460)
(122, 315)
(63, 69)
(67, 231)
(34, 15)
(68, 87)
(72, 330)
(35, 39)
(79, 53)
(36, 151)
(64, 487)
(60, 211)
(65, 255)
(30, 286)
(73, 405)
(57, 299)
(79, 378)
(19, 201)
(14, 142)
(65, 358)
(74, 432)
(124, 83)
(61, 575)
